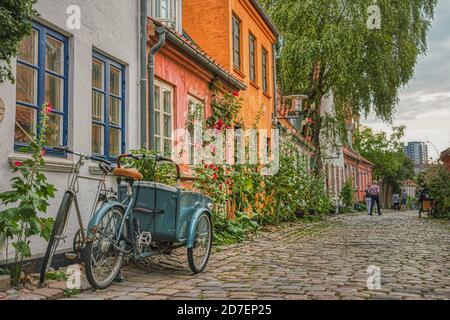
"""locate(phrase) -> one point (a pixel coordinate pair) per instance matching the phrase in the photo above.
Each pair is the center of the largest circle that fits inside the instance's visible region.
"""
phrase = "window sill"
(239, 72)
(255, 85)
(94, 170)
(52, 164)
(267, 95)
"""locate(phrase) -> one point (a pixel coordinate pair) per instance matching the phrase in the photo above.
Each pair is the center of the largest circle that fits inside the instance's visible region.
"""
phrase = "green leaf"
(23, 248)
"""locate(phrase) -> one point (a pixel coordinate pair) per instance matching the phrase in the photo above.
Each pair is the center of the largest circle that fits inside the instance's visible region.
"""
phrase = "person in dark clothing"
(374, 192)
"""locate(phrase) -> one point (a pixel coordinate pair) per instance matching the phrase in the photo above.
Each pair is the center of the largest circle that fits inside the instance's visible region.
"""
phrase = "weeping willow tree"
(363, 51)
(15, 23)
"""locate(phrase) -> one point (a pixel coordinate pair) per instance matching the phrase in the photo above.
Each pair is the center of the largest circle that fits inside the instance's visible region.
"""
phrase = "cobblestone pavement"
(325, 260)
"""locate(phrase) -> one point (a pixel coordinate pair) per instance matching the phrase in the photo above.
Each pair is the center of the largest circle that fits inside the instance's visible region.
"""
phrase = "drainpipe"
(161, 32)
(143, 71)
(275, 96)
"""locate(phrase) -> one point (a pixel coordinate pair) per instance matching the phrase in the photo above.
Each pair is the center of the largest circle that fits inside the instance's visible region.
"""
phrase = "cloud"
(424, 105)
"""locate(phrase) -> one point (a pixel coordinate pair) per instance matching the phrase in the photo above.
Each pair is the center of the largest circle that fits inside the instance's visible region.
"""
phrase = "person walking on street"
(374, 192)
(404, 200)
(396, 201)
(368, 200)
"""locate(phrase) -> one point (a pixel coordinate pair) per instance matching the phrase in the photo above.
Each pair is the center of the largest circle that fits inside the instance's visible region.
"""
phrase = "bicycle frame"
(72, 189)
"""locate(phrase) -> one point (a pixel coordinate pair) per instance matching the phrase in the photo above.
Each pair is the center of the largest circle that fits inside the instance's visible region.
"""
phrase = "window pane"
(97, 74)
(114, 111)
(157, 98)
(26, 84)
(167, 102)
(115, 81)
(157, 123)
(25, 124)
(54, 91)
(162, 9)
(28, 48)
(114, 142)
(167, 126)
(54, 55)
(158, 144)
(97, 106)
(54, 133)
(97, 139)
(167, 148)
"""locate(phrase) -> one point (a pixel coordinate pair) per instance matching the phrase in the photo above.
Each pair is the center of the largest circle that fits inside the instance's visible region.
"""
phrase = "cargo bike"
(147, 219)
(142, 219)
(427, 205)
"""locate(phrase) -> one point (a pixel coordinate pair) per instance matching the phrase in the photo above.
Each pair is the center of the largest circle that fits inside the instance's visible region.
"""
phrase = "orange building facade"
(239, 36)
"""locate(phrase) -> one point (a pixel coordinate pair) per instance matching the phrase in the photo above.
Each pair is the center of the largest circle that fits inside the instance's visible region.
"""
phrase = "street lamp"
(296, 110)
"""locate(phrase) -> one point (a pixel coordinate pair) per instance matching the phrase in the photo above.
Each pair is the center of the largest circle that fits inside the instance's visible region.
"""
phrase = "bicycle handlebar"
(157, 158)
(85, 156)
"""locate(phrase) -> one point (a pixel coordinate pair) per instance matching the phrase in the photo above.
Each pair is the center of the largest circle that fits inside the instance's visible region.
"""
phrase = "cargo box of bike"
(164, 210)
(145, 219)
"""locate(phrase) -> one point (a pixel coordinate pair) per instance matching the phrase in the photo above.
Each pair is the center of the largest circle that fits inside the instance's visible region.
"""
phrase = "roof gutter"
(266, 17)
(204, 61)
(161, 32)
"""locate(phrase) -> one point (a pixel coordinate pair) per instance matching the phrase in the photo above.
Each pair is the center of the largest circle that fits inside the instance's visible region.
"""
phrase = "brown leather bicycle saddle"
(128, 173)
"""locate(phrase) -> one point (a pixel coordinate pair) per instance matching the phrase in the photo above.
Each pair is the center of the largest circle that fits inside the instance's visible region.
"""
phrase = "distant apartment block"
(418, 153)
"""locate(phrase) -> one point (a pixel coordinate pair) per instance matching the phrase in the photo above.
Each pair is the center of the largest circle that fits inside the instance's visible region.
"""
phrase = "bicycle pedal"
(145, 239)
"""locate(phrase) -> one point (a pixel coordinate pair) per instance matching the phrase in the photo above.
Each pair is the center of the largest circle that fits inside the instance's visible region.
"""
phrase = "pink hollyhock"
(49, 108)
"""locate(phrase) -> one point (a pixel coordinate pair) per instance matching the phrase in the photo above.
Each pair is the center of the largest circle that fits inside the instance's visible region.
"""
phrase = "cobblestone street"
(325, 260)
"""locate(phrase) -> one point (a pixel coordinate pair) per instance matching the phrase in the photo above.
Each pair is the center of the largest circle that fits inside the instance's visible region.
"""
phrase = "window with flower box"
(42, 77)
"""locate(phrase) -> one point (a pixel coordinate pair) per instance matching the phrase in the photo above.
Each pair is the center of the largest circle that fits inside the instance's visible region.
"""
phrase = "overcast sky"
(425, 103)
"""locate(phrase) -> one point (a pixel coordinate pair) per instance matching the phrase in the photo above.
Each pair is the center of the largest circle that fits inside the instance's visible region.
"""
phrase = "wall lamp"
(296, 110)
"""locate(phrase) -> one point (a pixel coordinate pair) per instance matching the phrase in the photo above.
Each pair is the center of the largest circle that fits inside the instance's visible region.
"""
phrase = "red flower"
(43, 152)
(219, 125)
(18, 163)
(49, 108)
(215, 176)
(206, 166)
(236, 94)
(310, 120)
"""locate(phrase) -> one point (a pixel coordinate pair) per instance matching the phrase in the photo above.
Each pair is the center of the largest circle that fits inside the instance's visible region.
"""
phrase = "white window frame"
(174, 18)
(191, 144)
(164, 88)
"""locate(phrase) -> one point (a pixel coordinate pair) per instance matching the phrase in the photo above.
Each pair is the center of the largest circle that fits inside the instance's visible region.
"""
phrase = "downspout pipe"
(161, 32)
(143, 71)
(275, 92)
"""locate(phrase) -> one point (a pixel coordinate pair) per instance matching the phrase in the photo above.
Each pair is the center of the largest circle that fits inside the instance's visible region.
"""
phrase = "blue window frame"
(108, 107)
(42, 77)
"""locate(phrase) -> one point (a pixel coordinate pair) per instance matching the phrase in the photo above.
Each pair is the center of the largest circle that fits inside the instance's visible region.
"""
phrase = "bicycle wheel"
(198, 256)
(58, 229)
(103, 260)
